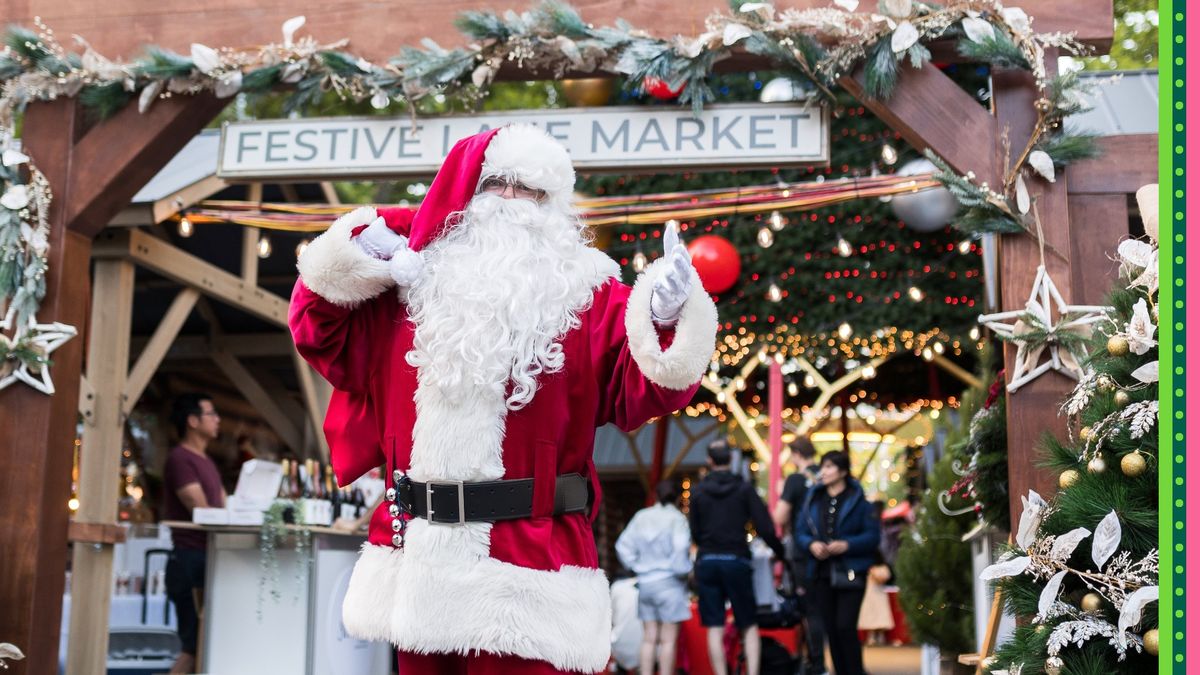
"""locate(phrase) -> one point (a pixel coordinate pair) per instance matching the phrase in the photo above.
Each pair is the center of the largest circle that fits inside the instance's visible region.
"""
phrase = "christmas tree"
(1083, 566)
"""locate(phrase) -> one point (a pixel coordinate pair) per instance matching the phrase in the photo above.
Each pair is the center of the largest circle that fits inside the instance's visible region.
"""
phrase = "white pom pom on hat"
(405, 266)
(531, 156)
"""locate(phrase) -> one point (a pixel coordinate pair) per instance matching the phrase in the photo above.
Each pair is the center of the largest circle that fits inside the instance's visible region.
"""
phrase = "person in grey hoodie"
(655, 546)
(722, 506)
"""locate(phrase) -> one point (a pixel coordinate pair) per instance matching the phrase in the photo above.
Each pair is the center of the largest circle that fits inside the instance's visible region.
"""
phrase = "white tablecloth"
(124, 612)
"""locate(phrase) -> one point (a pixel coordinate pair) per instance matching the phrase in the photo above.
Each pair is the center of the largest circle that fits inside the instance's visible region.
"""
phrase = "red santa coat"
(528, 587)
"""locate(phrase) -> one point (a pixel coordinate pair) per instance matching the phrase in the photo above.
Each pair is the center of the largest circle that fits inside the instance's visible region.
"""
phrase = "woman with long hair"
(839, 529)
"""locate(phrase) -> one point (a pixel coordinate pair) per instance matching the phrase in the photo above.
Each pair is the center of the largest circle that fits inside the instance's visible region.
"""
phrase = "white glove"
(671, 289)
(379, 241)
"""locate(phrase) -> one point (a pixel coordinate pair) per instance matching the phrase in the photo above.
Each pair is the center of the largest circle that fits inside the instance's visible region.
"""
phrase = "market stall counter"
(279, 610)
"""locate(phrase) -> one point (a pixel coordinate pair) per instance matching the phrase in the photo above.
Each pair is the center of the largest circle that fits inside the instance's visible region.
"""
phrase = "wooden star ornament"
(1056, 330)
(40, 338)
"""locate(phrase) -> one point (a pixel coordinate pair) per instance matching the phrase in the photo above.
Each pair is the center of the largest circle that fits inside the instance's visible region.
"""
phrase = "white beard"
(501, 288)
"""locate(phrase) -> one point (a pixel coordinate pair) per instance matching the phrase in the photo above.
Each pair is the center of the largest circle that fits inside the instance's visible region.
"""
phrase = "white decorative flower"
(1049, 594)
(1146, 373)
(1131, 610)
(228, 84)
(206, 59)
(13, 157)
(16, 197)
(1017, 19)
(1034, 508)
(148, 95)
(1006, 568)
(897, 9)
(905, 36)
(848, 5)
(380, 100)
(1023, 202)
(1041, 162)
(1140, 331)
(735, 32)
(289, 29)
(977, 29)
(764, 9)
(1106, 539)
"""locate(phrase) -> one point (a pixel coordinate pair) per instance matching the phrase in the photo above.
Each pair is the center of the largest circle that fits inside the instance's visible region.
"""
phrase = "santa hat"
(521, 152)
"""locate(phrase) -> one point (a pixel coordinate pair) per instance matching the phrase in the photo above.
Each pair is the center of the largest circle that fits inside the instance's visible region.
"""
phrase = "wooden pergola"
(95, 169)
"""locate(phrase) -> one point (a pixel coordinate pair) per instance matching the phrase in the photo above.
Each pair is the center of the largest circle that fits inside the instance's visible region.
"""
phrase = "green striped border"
(1171, 305)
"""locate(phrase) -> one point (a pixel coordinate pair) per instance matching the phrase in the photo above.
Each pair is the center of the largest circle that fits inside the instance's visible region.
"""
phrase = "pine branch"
(482, 25)
(261, 79)
(105, 100)
(558, 18)
(882, 70)
(162, 64)
(998, 50)
(1068, 147)
(340, 63)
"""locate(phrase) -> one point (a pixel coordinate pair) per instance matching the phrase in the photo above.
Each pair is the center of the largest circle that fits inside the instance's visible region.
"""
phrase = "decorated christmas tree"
(1083, 564)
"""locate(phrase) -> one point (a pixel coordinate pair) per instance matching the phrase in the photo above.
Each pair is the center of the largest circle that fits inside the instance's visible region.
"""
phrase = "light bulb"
(889, 154)
(793, 390)
(916, 294)
(868, 372)
(927, 354)
(844, 331)
(766, 237)
(301, 247)
(774, 294)
(73, 504)
(843, 247)
(965, 246)
(264, 246)
(939, 348)
(974, 333)
(777, 221)
(185, 228)
(810, 381)
(639, 262)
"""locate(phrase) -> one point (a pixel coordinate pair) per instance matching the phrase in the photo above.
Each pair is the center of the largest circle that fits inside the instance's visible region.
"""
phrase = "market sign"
(599, 139)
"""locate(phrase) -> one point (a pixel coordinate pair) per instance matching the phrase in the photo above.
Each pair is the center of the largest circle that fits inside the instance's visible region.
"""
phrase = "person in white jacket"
(655, 546)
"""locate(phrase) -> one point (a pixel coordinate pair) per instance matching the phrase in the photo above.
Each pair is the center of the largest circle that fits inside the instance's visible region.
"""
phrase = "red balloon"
(660, 90)
(717, 261)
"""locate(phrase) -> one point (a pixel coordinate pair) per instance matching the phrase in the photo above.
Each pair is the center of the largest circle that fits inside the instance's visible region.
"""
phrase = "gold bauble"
(1150, 641)
(1118, 346)
(1133, 464)
(1085, 433)
(1097, 465)
(1090, 603)
(1106, 383)
(1121, 398)
(1068, 478)
(588, 91)
(1053, 668)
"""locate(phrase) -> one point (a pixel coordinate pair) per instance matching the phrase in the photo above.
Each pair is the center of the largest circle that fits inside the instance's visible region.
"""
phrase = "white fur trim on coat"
(337, 269)
(531, 156)
(684, 362)
(459, 603)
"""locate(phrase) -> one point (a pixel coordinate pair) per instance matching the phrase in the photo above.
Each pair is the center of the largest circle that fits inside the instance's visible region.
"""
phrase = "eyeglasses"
(520, 190)
(213, 413)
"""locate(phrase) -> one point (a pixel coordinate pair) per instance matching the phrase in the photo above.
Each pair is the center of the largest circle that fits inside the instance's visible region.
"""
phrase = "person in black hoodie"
(722, 505)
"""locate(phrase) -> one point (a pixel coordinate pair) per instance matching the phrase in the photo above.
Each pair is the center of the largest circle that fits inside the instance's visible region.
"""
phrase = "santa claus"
(476, 347)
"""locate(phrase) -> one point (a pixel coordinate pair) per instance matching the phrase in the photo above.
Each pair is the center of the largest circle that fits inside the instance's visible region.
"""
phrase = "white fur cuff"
(337, 269)
(684, 362)
(459, 604)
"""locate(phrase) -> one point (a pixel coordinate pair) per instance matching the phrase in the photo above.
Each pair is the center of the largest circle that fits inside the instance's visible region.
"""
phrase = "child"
(875, 617)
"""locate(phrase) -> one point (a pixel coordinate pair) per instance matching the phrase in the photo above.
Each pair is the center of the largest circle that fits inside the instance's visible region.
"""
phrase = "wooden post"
(93, 173)
(100, 462)
(775, 410)
(36, 448)
(1032, 410)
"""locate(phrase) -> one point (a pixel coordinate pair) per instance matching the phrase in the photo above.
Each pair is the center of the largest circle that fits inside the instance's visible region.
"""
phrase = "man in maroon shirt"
(192, 481)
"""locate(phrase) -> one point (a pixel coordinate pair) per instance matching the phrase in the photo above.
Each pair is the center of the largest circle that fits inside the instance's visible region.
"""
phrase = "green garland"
(818, 45)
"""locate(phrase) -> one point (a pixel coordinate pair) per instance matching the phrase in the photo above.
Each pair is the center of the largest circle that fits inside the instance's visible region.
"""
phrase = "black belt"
(487, 501)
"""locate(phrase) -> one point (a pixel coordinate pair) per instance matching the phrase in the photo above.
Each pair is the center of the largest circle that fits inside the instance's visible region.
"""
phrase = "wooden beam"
(100, 463)
(314, 404)
(931, 111)
(158, 211)
(1125, 164)
(36, 482)
(1032, 410)
(965, 376)
(124, 27)
(1106, 219)
(152, 355)
(107, 169)
(185, 268)
(241, 345)
(258, 397)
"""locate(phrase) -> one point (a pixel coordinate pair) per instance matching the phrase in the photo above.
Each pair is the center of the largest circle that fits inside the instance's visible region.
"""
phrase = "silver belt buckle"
(462, 509)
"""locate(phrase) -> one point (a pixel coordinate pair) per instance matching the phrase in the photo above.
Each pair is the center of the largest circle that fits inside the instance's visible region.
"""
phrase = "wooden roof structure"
(95, 169)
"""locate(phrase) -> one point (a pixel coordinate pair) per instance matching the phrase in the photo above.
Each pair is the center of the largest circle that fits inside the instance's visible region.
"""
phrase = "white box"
(242, 517)
(210, 516)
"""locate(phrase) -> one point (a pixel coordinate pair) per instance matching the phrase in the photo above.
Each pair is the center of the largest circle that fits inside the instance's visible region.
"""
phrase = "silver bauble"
(926, 210)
